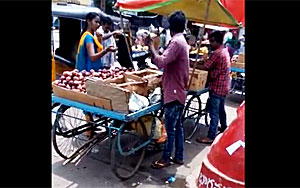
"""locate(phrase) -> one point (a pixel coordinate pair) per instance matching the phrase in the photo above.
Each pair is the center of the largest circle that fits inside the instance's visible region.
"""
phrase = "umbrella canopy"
(194, 10)
(236, 8)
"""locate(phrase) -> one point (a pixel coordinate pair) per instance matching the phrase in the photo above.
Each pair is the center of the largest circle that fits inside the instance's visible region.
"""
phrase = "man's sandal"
(177, 161)
(205, 140)
(160, 164)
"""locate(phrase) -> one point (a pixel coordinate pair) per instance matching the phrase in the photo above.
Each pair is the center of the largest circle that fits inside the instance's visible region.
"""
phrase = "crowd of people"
(97, 49)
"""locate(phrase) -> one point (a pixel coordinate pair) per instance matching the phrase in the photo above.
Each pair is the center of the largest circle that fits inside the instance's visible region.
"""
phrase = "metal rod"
(201, 36)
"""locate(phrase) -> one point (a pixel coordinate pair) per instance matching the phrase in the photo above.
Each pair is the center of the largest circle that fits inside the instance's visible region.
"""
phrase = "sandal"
(177, 161)
(205, 140)
(160, 164)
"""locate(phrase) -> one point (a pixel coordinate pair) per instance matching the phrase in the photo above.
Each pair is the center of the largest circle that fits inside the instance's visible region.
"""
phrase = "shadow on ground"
(94, 170)
(234, 100)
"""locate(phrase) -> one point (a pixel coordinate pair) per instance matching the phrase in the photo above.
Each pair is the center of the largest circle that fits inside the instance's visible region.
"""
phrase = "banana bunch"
(203, 50)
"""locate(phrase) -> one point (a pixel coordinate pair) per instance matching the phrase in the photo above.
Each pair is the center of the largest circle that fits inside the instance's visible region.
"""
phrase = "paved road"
(94, 170)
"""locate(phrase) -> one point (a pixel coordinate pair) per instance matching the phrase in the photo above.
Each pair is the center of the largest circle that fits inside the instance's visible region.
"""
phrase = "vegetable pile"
(75, 80)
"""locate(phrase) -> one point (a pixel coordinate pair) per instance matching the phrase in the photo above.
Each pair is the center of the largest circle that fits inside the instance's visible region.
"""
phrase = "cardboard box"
(136, 85)
(238, 65)
(241, 58)
(152, 77)
(81, 97)
(118, 96)
(199, 79)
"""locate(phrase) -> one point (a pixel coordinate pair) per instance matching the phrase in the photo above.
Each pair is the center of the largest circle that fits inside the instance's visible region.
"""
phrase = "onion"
(68, 78)
(56, 82)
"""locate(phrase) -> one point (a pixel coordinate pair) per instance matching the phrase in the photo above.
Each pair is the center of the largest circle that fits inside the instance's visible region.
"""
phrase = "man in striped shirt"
(218, 66)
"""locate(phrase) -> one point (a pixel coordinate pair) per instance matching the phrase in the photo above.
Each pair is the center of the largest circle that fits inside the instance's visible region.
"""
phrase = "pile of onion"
(75, 80)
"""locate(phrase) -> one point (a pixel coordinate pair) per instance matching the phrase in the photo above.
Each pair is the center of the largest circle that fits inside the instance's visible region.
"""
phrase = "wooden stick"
(124, 34)
(201, 35)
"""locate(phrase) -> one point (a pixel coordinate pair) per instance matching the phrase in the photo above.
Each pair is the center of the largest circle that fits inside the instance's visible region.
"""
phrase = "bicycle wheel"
(125, 166)
(191, 116)
(66, 138)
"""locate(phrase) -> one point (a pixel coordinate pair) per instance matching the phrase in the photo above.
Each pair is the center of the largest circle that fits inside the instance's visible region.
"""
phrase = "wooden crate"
(152, 77)
(81, 97)
(136, 85)
(199, 79)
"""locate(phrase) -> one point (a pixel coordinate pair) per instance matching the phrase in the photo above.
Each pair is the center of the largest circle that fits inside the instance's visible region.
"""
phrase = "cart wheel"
(65, 141)
(191, 116)
(205, 119)
(124, 167)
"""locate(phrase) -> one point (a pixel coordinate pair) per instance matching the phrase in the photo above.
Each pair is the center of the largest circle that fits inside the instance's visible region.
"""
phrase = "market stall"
(122, 104)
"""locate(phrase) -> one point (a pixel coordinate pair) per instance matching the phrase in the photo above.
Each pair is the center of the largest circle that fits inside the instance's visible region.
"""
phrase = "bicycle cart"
(195, 112)
(127, 145)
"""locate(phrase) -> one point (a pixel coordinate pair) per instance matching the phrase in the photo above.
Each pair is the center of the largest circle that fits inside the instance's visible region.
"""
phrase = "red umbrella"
(236, 8)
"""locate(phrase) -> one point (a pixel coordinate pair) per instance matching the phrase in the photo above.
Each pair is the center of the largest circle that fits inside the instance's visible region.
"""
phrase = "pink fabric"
(175, 63)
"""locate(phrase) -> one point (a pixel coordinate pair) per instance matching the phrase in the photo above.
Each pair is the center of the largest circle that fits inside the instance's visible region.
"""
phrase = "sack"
(159, 129)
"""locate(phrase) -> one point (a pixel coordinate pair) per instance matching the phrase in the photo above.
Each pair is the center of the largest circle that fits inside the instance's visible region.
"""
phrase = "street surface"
(94, 170)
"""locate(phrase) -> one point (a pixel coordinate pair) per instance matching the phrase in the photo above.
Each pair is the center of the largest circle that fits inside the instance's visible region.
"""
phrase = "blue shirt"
(83, 61)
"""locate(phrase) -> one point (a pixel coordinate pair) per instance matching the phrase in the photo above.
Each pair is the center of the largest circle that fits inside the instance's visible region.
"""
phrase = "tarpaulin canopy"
(236, 8)
(194, 10)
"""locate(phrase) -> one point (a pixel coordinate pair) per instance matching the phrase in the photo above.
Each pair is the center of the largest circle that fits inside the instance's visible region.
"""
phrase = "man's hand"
(205, 56)
(99, 36)
(149, 41)
(111, 49)
(117, 32)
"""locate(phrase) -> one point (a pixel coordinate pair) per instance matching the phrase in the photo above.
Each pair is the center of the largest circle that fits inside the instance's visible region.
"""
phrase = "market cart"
(127, 144)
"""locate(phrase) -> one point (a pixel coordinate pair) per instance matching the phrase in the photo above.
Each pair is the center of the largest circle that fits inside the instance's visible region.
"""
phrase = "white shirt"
(227, 36)
(109, 58)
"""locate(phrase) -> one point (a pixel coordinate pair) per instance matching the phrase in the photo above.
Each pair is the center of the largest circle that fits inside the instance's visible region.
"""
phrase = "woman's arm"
(96, 56)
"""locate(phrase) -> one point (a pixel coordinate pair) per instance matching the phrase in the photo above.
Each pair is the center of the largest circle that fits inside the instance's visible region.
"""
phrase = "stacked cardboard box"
(239, 62)
(199, 79)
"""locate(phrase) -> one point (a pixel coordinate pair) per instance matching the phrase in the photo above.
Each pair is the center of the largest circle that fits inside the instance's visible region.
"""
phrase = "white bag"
(137, 102)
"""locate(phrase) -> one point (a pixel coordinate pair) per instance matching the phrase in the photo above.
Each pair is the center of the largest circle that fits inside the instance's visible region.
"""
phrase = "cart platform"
(107, 113)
